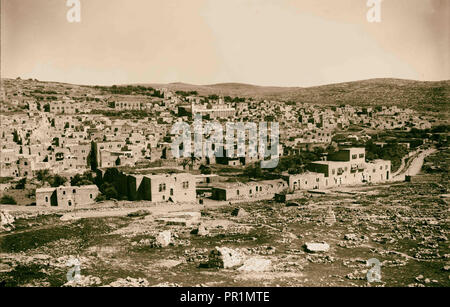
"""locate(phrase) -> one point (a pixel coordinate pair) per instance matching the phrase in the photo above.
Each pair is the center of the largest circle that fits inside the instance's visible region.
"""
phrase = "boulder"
(224, 257)
(317, 247)
(69, 217)
(239, 212)
(164, 238)
(6, 221)
(256, 265)
(330, 218)
(350, 237)
(200, 231)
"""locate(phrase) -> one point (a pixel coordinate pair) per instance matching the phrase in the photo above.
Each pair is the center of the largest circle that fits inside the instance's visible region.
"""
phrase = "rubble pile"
(197, 255)
(224, 257)
(130, 282)
(6, 221)
(330, 218)
(317, 247)
(239, 212)
(163, 239)
(84, 281)
(256, 264)
(352, 240)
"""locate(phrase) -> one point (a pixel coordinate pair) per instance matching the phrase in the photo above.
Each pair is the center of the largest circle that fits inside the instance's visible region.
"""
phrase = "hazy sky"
(265, 42)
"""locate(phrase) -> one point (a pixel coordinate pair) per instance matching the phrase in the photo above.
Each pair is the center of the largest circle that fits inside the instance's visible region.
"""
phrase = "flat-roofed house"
(66, 196)
(256, 189)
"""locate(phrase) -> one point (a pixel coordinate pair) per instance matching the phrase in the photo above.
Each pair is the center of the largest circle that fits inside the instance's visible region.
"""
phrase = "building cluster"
(68, 128)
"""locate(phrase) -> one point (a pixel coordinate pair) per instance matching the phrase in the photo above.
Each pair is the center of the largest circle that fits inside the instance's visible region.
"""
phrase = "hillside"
(419, 95)
(423, 95)
(228, 89)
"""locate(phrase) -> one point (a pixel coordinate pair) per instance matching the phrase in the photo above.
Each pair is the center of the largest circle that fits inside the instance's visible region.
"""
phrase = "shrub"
(100, 197)
(21, 184)
(8, 200)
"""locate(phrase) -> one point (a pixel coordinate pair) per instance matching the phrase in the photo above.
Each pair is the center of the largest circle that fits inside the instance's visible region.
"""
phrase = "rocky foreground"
(320, 240)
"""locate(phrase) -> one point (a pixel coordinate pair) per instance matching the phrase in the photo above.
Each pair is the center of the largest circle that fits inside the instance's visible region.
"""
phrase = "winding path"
(413, 166)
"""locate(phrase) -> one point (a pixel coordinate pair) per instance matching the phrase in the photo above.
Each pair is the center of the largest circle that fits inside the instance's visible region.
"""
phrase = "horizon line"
(225, 83)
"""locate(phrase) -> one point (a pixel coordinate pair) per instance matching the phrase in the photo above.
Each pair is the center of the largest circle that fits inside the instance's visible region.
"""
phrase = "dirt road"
(414, 166)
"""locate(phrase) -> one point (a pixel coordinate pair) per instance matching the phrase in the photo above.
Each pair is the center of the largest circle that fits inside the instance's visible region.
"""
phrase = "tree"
(253, 171)
(21, 184)
(56, 180)
(8, 200)
(42, 174)
(92, 157)
(47, 107)
(16, 137)
(84, 179)
(110, 175)
(205, 170)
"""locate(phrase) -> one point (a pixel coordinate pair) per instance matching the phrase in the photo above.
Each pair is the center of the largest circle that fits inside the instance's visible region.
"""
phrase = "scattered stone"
(317, 247)
(415, 285)
(163, 239)
(256, 265)
(196, 255)
(138, 213)
(69, 217)
(318, 258)
(350, 237)
(130, 282)
(239, 212)
(6, 221)
(181, 218)
(175, 221)
(84, 281)
(168, 263)
(224, 257)
(4, 268)
(292, 204)
(330, 218)
(201, 231)
(167, 284)
(357, 275)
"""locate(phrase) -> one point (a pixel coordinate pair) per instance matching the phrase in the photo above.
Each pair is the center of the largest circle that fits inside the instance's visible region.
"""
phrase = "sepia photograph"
(225, 151)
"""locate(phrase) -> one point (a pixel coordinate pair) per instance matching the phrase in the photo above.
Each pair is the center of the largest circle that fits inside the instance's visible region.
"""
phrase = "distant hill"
(423, 95)
(420, 95)
(227, 89)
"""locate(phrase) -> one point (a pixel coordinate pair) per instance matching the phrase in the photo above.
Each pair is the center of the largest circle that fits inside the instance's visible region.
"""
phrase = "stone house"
(66, 196)
(241, 191)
